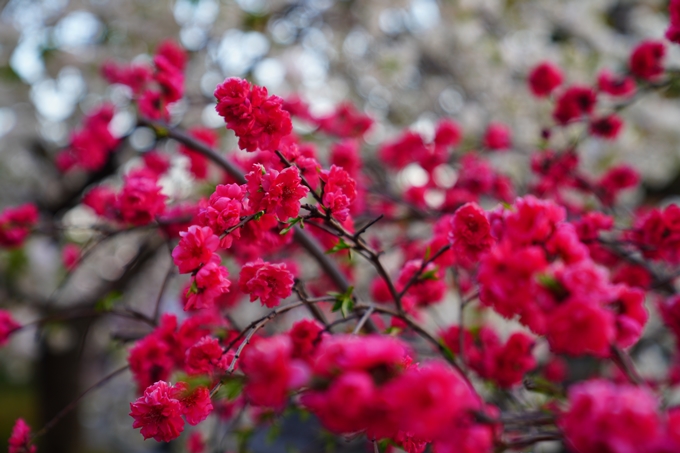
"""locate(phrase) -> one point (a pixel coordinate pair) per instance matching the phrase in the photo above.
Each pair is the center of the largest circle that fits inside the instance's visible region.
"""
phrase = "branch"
(302, 238)
(75, 402)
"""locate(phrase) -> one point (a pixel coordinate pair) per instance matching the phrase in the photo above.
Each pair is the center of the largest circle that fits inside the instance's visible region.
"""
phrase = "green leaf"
(291, 223)
(446, 350)
(344, 302)
(108, 302)
(341, 245)
(430, 275)
(193, 289)
(258, 215)
(231, 388)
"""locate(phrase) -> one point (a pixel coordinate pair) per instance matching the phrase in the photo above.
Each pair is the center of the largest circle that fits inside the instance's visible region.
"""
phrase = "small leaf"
(291, 223)
(258, 215)
(341, 245)
(430, 275)
(447, 351)
(232, 388)
(107, 302)
(344, 301)
(193, 289)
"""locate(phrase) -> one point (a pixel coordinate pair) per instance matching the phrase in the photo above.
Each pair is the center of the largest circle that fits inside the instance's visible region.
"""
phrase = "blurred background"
(406, 63)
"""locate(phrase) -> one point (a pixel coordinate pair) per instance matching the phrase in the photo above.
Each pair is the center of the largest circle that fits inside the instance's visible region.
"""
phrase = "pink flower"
(615, 180)
(575, 102)
(345, 122)
(266, 281)
(607, 417)
(224, 211)
(7, 326)
(153, 358)
(195, 443)
(646, 60)
(158, 413)
(210, 282)
(497, 136)
(16, 224)
(20, 440)
(607, 127)
(429, 288)
(70, 255)
(140, 200)
(195, 403)
(470, 232)
(580, 326)
(430, 400)
(339, 192)
(90, 146)
(274, 192)
(544, 78)
(407, 148)
(102, 201)
(615, 85)
(447, 133)
(305, 335)
(345, 155)
(196, 248)
(258, 119)
(271, 371)
(205, 356)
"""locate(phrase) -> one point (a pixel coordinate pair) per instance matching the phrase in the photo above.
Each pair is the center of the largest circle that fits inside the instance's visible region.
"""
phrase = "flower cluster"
(91, 145)
(158, 412)
(139, 202)
(16, 224)
(258, 119)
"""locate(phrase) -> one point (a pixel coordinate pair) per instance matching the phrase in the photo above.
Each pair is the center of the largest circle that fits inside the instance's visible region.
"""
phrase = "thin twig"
(625, 364)
(303, 239)
(363, 320)
(75, 402)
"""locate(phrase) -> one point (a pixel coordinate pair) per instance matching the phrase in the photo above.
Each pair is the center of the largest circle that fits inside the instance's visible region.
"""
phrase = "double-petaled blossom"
(20, 439)
(276, 192)
(607, 127)
(195, 402)
(345, 122)
(505, 364)
(305, 335)
(470, 232)
(209, 283)
(140, 200)
(205, 357)
(16, 224)
(158, 413)
(615, 84)
(615, 180)
(223, 212)
(257, 119)
(544, 78)
(497, 137)
(90, 146)
(575, 102)
(646, 60)
(603, 416)
(427, 287)
(271, 371)
(267, 281)
(339, 192)
(673, 30)
(196, 248)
